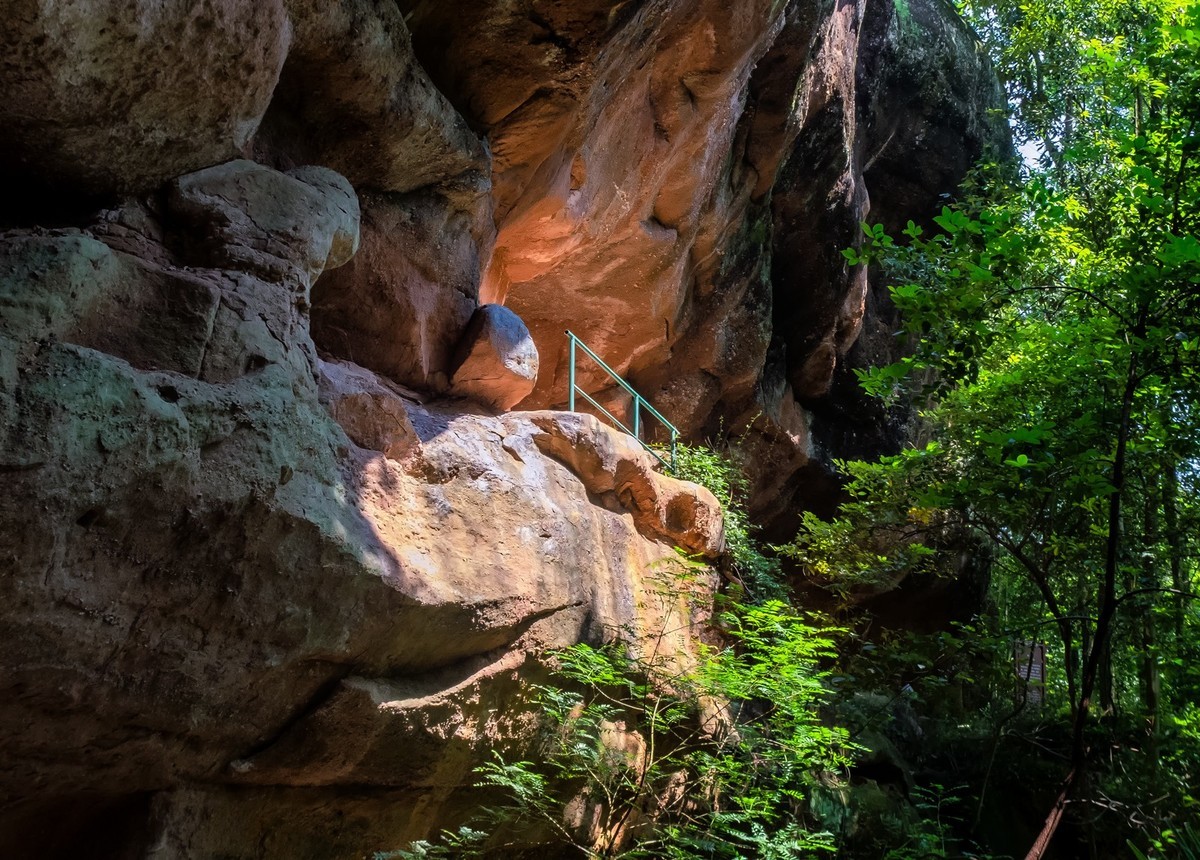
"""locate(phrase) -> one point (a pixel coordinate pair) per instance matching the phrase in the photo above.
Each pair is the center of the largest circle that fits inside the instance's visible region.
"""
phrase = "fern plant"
(642, 757)
(758, 572)
(1182, 844)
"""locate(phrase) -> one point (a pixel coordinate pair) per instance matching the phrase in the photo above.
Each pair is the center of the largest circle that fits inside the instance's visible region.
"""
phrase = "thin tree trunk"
(1041, 579)
(1170, 496)
(1149, 674)
(1106, 611)
(1106, 682)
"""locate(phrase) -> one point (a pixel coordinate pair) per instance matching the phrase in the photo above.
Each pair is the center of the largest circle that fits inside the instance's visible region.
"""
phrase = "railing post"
(571, 396)
(574, 389)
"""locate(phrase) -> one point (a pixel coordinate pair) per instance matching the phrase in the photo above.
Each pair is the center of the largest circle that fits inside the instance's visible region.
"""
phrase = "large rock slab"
(210, 590)
(120, 95)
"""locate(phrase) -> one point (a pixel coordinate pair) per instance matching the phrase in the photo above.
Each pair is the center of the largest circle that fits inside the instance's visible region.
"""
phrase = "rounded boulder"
(497, 361)
(119, 95)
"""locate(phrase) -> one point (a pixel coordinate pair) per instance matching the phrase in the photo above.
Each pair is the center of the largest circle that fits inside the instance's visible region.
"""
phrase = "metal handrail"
(638, 403)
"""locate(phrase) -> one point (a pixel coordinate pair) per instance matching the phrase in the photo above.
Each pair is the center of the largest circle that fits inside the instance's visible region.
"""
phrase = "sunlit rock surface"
(675, 182)
(208, 585)
(497, 361)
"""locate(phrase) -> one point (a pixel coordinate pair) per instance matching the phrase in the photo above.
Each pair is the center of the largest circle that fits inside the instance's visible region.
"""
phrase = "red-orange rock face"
(613, 138)
(675, 182)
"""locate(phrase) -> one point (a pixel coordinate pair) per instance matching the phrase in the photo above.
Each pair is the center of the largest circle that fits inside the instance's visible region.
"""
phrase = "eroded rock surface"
(608, 462)
(353, 97)
(114, 95)
(675, 182)
(612, 131)
(241, 215)
(207, 584)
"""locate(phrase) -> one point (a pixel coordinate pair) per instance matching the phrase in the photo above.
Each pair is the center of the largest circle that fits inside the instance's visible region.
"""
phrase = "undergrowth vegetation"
(648, 752)
(1053, 327)
(748, 565)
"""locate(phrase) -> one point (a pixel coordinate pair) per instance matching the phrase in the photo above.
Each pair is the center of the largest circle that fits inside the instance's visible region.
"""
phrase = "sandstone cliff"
(276, 563)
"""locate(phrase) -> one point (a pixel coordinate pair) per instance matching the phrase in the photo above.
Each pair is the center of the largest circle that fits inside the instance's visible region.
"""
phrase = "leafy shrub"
(757, 572)
(642, 757)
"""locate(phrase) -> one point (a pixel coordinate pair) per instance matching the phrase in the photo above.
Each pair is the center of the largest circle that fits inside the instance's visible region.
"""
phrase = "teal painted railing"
(640, 403)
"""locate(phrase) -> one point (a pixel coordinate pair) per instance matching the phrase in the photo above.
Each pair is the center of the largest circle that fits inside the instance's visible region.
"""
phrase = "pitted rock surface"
(121, 95)
(241, 215)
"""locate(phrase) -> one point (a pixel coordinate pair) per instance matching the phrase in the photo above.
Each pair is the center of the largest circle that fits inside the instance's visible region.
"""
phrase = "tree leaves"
(1055, 336)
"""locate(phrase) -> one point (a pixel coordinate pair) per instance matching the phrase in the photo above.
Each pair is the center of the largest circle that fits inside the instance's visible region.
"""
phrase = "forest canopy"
(1054, 325)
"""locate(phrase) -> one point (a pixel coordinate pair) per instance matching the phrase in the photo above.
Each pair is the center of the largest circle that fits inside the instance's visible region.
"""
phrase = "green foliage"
(931, 837)
(1183, 844)
(882, 533)
(463, 842)
(758, 572)
(1055, 332)
(644, 757)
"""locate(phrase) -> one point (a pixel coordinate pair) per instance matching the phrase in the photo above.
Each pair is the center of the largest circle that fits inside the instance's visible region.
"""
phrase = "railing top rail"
(621, 426)
(644, 402)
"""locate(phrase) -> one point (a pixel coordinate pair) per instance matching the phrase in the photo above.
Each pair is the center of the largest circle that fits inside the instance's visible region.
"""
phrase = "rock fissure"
(320, 697)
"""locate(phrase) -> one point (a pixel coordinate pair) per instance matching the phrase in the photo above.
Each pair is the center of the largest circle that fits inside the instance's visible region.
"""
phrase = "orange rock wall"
(675, 183)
